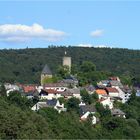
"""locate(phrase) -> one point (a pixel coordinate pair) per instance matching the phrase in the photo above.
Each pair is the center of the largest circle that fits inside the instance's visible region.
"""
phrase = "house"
(71, 81)
(106, 102)
(138, 93)
(49, 94)
(103, 83)
(28, 88)
(115, 83)
(85, 111)
(117, 113)
(60, 107)
(113, 92)
(66, 94)
(90, 89)
(114, 79)
(56, 86)
(75, 92)
(101, 93)
(124, 94)
(127, 93)
(31, 94)
(46, 73)
(49, 103)
(11, 87)
(39, 105)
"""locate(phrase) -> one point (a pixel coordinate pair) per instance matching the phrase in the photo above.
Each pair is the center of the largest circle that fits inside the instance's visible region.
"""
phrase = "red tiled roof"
(101, 91)
(51, 91)
(110, 89)
(29, 88)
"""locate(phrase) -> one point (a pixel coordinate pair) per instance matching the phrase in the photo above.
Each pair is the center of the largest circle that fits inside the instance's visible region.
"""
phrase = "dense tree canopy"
(25, 65)
(17, 121)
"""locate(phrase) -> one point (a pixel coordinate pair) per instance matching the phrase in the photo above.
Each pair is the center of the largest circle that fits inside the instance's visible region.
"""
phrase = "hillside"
(25, 65)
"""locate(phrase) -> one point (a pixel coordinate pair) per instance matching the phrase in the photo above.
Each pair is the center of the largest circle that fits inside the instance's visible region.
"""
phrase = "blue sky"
(93, 23)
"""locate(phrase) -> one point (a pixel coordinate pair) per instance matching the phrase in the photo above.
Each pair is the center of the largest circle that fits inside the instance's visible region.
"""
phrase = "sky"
(38, 24)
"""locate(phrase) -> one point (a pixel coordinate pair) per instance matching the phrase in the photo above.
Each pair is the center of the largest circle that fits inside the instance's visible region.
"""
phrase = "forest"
(25, 65)
(17, 121)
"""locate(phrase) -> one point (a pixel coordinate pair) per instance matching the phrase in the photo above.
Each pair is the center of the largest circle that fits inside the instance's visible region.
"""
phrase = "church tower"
(46, 73)
(67, 61)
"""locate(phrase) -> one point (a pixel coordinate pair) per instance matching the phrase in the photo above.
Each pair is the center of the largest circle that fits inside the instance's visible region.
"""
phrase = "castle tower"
(67, 61)
(46, 73)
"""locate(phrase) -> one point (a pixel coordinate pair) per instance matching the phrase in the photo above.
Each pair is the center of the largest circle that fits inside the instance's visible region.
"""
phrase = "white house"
(60, 107)
(39, 105)
(124, 94)
(60, 87)
(85, 111)
(10, 87)
(50, 94)
(49, 103)
(106, 102)
(113, 92)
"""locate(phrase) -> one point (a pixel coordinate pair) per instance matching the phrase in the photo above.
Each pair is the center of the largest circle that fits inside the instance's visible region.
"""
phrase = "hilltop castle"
(67, 61)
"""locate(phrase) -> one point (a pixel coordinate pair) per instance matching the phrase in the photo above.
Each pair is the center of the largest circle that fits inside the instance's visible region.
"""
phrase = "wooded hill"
(25, 65)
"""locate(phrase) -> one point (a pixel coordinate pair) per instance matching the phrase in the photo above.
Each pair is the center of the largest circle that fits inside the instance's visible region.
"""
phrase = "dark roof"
(46, 70)
(51, 102)
(71, 77)
(90, 88)
(116, 83)
(110, 89)
(117, 112)
(55, 85)
(86, 108)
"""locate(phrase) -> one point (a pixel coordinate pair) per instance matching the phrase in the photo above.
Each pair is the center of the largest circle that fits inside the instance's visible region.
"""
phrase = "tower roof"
(46, 70)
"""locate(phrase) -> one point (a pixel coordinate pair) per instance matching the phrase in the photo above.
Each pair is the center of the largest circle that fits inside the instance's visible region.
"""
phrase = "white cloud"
(96, 46)
(97, 33)
(22, 33)
(101, 46)
(85, 45)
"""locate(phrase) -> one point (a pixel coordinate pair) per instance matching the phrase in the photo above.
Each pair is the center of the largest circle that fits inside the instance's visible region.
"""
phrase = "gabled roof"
(116, 83)
(90, 88)
(29, 88)
(46, 70)
(110, 89)
(53, 91)
(86, 108)
(117, 112)
(51, 102)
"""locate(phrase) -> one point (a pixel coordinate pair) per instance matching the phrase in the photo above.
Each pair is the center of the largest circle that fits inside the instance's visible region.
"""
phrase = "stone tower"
(46, 73)
(67, 61)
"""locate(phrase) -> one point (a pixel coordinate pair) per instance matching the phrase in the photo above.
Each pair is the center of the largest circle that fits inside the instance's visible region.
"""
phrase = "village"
(108, 91)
